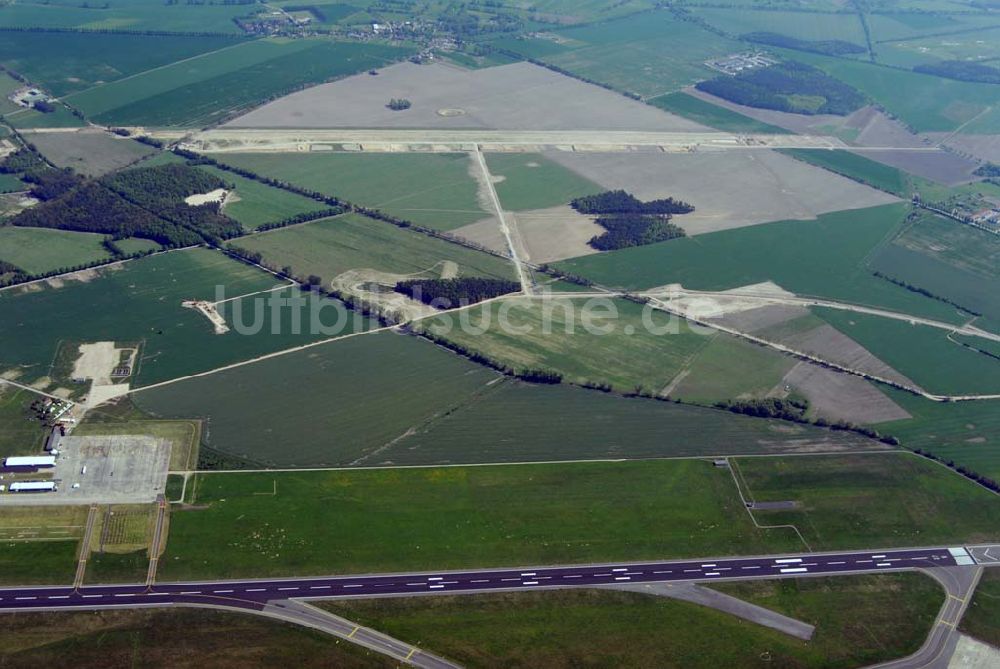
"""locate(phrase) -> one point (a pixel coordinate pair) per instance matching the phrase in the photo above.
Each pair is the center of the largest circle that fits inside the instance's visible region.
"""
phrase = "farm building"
(31, 461)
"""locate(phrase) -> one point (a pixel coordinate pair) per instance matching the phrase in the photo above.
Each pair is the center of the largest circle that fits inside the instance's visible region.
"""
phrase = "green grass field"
(263, 524)
(532, 181)
(802, 25)
(254, 204)
(895, 499)
(141, 301)
(860, 620)
(43, 250)
(117, 568)
(714, 116)
(135, 245)
(434, 190)
(330, 404)
(953, 261)
(651, 53)
(21, 434)
(610, 342)
(135, 15)
(37, 562)
(924, 102)
(208, 88)
(730, 368)
(922, 353)
(826, 257)
(982, 618)
(516, 422)
(407, 519)
(26, 119)
(332, 246)
(10, 183)
(67, 62)
(160, 637)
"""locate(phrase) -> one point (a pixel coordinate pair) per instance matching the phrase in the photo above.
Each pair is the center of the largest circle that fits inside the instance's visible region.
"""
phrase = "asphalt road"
(255, 594)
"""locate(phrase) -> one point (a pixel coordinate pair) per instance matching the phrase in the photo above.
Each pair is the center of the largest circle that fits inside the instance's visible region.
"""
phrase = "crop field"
(336, 403)
(211, 87)
(254, 204)
(971, 46)
(798, 24)
(532, 181)
(29, 119)
(135, 15)
(890, 27)
(332, 246)
(368, 521)
(650, 54)
(825, 257)
(135, 245)
(141, 301)
(516, 422)
(731, 368)
(731, 189)
(924, 102)
(21, 433)
(66, 62)
(713, 116)
(88, 152)
(856, 167)
(879, 500)
(860, 620)
(42, 250)
(434, 190)
(518, 96)
(579, 339)
(967, 433)
(924, 354)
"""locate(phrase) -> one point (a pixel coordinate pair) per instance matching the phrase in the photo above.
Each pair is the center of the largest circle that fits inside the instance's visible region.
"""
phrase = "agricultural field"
(30, 119)
(950, 260)
(649, 54)
(924, 354)
(526, 181)
(713, 116)
(826, 257)
(518, 96)
(728, 189)
(377, 520)
(331, 247)
(44, 250)
(515, 422)
(141, 301)
(254, 204)
(337, 402)
(880, 500)
(89, 152)
(159, 637)
(40, 548)
(22, 434)
(578, 339)
(66, 62)
(209, 88)
(809, 26)
(136, 15)
(859, 620)
(438, 191)
(976, 45)
(856, 167)
(924, 102)
(134, 245)
(9, 183)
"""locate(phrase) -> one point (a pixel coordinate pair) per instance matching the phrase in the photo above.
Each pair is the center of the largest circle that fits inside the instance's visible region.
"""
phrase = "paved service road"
(255, 594)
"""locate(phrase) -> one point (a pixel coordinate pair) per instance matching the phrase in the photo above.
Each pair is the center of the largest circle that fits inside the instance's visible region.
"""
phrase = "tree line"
(834, 47)
(623, 202)
(449, 293)
(628, 221)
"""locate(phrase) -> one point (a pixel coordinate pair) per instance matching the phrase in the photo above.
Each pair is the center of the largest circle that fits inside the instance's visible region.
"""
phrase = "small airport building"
(30, 462)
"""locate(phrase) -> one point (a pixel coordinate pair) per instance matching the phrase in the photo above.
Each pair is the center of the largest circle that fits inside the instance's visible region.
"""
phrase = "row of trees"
(984, 481)
(781, 86)
(449, 293)
(923, 291)
(834, 47)
(962, 71)
(623, 202)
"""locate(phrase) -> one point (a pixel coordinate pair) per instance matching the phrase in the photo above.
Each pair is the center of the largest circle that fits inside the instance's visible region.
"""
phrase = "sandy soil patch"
(516, 96)
(486, 232)
(830, 344)
(377, 289)
(973, 654)
(941, 166)
(729, 190)
(726, 303)
(209, 311)
(90, 151)
(217, 195)
(96, 361)
(836, 396)
(556, 233)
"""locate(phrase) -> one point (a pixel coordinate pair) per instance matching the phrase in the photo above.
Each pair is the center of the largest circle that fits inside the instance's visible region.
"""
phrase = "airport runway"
(255, 594)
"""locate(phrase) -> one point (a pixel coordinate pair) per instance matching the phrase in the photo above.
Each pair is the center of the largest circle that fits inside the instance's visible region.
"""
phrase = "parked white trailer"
(33, 486)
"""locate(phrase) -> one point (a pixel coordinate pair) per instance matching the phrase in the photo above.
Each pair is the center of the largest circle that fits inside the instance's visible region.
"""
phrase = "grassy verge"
(859, 620)
(21, 434)
(172, 638)
(982, 618)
